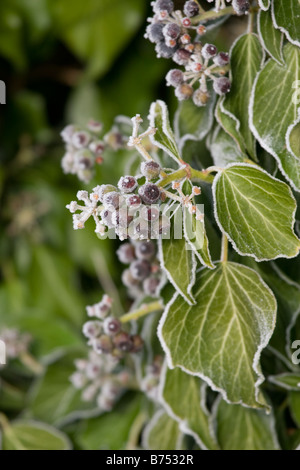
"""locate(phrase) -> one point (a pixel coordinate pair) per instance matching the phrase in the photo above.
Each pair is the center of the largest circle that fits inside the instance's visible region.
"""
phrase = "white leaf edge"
(165, 121)
(262, 5)
(283, 30)
(257, 136)
(183, 424)
(153, 421)
(213, 386)
(263, 42)
(216, 179)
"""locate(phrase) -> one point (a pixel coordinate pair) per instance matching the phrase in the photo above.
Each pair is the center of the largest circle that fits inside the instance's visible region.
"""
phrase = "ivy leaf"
(195, 233)
(178, 261)
(220, 339)
(287, 381)
(55, 400)
(256, 211)
(286, 17)
(229, 124)
(244, 71)
(162, 433)
(249, 429)
(264, 4)
(183, 397)
(274, 109)
(164, 137)
(223, 148)
(32, 435)
(271, 38)
(192, 122)
(294, 400)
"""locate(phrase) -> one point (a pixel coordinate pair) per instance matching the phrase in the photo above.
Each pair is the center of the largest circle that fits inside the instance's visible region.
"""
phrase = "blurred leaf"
(162, 433)
(96, 30)
(287, 381)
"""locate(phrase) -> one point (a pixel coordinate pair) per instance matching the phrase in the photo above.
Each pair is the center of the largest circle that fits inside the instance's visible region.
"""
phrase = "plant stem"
(224, 254)
(135, 431)
(31, 363)
(141, 312)
(211, 14)
(186, 172)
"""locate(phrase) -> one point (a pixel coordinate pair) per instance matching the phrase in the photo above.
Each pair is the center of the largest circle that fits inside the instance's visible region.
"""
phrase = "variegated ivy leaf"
(195, 233)
(246, 59)
(162, 433)
(229, 124)
(256, 211)
(192, 122)
(183, 397)
(264, 4)
(286, 17)
(164, 137)
(240, 428)
(287, 381)
(220, 339)
(178, 260)
(271, 38)
(223, 148)
(274, 111)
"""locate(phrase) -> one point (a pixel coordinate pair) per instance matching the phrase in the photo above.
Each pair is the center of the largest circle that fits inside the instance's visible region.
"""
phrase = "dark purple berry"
(150, 169)
(191, 8)
(126, 253)
(133, 201)
(85, 159)
(154, 32)
(182, 56)
(112, 199)
(97, 146)
(222, 85)
(241, 6)
(127, 184)
(164, 51)
(123, 342)
(140, 269)
(209, 51)
(163, 5)
(174, 77)
(150, 285)
(111, 326)
(222, 59)
(145, 250)
(92, 329)
(150, 213)
(80, 139)
(137, 343)
(150, 193)
(171, 30)
(128, 280)
(184, 91)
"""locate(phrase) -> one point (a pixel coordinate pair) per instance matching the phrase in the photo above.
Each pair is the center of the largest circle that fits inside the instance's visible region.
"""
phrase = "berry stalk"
(141, 312)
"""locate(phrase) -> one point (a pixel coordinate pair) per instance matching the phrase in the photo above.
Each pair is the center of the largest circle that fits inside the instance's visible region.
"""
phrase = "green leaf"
(239, 428)
(162, 433)
(256, 211)
(164, 137)
(183, 397)
(223, 148)
(55, 400)
(192, 122)
(178, 260)
(96, 30)
(294, 399)
(195, 233)
(230, 125)
(286, 17)
(274, 109)
(271, 38)
(32, 435)
(264, 4)
(246, 58)
(220, 339)
(287, 381)
(111, 430)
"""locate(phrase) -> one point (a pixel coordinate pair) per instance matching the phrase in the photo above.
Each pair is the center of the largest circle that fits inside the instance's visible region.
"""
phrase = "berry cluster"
(100, 379)
(84, 148)
(150, 382)
(106, 336)
(16, 343)
(241, 7)
(131, 209)
(144, 275)
(172, 32)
